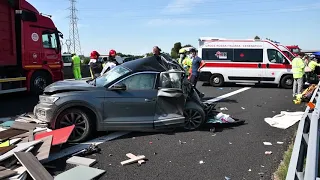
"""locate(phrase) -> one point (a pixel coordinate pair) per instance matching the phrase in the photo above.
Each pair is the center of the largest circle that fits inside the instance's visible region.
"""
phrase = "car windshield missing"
(111, 75)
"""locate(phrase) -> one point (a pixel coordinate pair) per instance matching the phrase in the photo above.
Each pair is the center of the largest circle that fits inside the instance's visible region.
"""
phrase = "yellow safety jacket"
(186, 63)
(298, 68)
(76, 61)
(312, 65)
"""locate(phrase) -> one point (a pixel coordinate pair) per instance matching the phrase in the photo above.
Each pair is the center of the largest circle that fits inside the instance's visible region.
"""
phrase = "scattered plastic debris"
(230, 142)
(227, 178)
(223, 109)
(267, 143)
(182, 142)
(273, 112)
(262, 166)
(209, 150)
(249, 170)
(261, 174)
(243, 108)
(213, 134)
(201, 162)
(248, 133)
(268, 152)
(279, 142)
(133, 137)
(213, 130)
(220, 88)
(150, 142)
(221, 118)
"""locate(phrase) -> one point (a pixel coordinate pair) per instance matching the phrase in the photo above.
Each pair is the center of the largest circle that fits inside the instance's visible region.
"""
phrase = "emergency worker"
(112, 57)
(95, 65)
(298, 73)
(312, 76)
(184, 60)
(76, 66)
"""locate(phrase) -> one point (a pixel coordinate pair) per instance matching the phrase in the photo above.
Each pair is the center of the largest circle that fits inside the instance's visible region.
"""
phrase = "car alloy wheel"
(193, 119)
(77, 119)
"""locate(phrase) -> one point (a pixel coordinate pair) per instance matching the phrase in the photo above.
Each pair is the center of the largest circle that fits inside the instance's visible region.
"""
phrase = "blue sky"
(135, 26)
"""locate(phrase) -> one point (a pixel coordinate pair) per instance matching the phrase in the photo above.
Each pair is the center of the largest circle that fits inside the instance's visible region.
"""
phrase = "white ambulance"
(243, 61)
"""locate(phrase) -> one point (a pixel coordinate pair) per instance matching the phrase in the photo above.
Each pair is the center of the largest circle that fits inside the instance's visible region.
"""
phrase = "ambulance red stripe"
(246, 65)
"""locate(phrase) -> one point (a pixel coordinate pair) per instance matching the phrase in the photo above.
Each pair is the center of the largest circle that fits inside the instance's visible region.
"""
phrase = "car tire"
(216, 80)
(83, 125)
(194, 116)
(39, 80)
(286, 82)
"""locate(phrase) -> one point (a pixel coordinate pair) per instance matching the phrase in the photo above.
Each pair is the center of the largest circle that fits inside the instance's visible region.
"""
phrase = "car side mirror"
(119, 87)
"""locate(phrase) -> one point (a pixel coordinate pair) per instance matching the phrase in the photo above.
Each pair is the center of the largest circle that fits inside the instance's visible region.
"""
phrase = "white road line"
(228, 94)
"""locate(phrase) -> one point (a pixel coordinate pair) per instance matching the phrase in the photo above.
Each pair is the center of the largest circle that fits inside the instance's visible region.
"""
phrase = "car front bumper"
(45, 112)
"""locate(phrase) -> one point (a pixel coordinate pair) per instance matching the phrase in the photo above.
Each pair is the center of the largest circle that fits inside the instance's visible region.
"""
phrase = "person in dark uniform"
(95, 65)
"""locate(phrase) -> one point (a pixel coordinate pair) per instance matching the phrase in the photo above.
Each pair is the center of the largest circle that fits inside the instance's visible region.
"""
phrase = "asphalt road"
(234, 152)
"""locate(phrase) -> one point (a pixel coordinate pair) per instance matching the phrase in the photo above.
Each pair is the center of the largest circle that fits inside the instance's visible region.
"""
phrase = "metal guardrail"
(304, 162)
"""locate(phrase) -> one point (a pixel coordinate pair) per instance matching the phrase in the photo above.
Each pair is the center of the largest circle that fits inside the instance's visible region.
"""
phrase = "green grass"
(282, 170)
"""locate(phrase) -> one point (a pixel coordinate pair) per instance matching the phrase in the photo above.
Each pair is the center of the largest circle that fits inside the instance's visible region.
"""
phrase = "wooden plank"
(6, 134)
(30, 136)
(20, 173)
(132, 160)
(20, 147)
(4, 150)
(60, 136)
(24, 126)
(44, 150)
(130, 155)
(34, 167)
(80, 172)
(7, 173)
(76, 160)
(14, 141)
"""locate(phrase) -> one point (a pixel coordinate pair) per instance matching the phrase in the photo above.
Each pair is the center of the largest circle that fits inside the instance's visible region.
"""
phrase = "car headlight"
(48, 99)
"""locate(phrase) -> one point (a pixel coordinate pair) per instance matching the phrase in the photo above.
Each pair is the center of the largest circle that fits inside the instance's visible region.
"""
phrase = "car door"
(133, 108)
(170, 101)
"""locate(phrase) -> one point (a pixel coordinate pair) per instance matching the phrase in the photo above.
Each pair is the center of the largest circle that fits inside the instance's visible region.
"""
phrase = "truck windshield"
(50, 40)
(296, 50)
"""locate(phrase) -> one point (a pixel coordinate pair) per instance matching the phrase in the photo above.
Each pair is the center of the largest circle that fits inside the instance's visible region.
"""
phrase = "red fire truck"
(30, 49)
(295, 49)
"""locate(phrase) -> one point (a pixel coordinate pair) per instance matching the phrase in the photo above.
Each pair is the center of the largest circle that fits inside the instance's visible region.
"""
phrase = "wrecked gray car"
(148, 94)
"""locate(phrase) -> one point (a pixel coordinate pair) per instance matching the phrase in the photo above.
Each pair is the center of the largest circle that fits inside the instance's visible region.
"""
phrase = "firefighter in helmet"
(95, 65)
(112, 56)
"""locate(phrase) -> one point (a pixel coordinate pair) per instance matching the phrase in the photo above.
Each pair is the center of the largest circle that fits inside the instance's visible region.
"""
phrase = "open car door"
(170, 101)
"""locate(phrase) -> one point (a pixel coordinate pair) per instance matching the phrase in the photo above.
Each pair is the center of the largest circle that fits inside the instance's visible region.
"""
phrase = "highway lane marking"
(228, 94)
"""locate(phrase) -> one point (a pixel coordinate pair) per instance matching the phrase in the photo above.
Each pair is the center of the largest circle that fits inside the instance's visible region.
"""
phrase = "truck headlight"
(48, 99)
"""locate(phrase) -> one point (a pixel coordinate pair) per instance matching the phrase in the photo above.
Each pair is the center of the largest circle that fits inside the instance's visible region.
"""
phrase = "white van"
(244, 61)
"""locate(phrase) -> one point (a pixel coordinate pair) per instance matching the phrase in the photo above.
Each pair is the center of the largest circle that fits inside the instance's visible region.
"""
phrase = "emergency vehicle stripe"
(247, 65)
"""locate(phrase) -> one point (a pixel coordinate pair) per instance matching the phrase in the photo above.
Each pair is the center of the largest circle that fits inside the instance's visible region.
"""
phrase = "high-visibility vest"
(297, 68)
(312, 65)
(187, 63)
(76, 61)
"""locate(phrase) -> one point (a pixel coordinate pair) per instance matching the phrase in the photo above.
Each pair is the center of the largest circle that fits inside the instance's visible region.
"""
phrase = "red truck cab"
(30, 49)
(294, 49)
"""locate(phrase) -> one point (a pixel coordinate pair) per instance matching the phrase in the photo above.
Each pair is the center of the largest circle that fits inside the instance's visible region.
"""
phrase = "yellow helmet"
(182, 51)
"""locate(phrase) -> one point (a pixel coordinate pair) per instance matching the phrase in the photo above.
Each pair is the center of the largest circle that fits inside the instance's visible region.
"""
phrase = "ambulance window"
(248, 55)
(275, 56)
(217, 54)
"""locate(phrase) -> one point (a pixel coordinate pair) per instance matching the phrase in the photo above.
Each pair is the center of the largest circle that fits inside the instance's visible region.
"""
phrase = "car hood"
(67, 86)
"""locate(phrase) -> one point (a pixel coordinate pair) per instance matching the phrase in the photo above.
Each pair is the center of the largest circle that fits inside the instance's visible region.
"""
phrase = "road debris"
(30, 142)
(201, 162)
(249, 170)
(227, 178)
(279, 142)
(268, 152)
(223, 109)
(182, 142)
(133, 159)
(267, 143)
(243, 108)
(230, 142)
